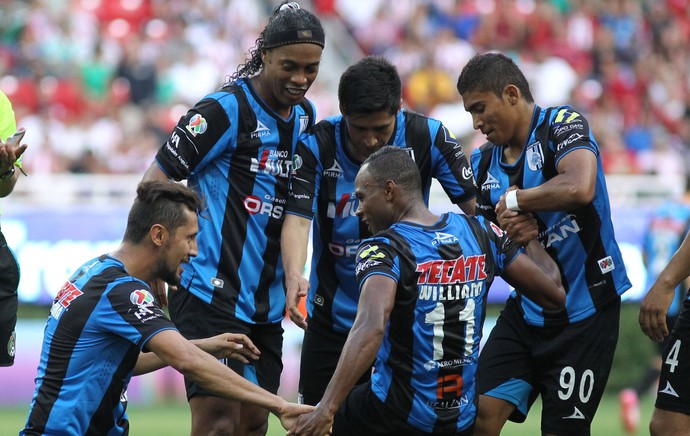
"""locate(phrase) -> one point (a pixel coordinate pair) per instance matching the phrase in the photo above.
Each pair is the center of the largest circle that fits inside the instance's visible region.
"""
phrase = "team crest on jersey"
(303, 123)
(535, 156)
(197, 125)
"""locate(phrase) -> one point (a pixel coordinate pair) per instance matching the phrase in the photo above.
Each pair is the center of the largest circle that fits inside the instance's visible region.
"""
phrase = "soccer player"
(10, 157)
(105, 326)
(424, 281)
(671, 414)
(321, 189)
(540, 175)
(666, 230)
(235, 148)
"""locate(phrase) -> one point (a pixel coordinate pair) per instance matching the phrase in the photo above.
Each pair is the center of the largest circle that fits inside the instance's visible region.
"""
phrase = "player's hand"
(158, 287)
(653, 310)
(233, 345)
(316, 423)
(296, 290)
(521, 227)
(289, 413)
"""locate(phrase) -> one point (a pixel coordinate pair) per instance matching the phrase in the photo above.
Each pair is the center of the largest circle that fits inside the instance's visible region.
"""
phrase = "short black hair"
(371, 85)
(493, 72)
(159, 202)
(394, 163)
(289, 18)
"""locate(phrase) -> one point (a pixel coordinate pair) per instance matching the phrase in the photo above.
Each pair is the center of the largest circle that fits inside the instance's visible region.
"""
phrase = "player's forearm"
(148, 362)
(559, 193)
(154, 173)
(220, 380)
(678, 268)
(293, 245)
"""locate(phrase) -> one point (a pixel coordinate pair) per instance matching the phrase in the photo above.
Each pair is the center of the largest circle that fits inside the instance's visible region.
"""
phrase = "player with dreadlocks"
(235, 148)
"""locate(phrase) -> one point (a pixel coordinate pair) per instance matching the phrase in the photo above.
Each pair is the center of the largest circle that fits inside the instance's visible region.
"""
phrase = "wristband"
(511, 200)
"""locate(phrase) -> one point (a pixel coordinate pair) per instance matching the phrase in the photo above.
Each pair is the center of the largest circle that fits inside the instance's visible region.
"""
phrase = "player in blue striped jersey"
(540, 175)
(322, 189)
(424, 281)
(105, 326)
(235, 147)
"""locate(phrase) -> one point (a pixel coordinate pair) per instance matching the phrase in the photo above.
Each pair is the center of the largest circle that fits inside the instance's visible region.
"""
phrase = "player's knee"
(216, 426)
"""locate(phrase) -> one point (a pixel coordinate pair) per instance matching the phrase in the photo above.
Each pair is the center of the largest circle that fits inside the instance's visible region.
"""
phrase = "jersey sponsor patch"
(444, 239)
(141, 297)
(64, 298)
(606, 264)
(370, 252)
(577, 414)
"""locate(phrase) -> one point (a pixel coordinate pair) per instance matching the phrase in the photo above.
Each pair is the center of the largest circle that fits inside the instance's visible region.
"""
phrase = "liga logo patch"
(197, 125)
(141, 297)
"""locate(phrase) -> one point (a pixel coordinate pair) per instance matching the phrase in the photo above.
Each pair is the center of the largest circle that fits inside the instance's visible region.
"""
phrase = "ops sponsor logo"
(254, 205)
(343, 250)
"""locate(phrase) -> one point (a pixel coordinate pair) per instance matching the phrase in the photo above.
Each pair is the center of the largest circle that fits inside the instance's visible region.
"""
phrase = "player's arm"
(374, 308)
(231, 345)
(154, 172)
(653, 310)
(205, 370)
(527, 277)
(293, 246)
(574, 186)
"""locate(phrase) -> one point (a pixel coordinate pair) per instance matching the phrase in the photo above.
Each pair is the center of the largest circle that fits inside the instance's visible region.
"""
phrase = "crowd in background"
(99, 84)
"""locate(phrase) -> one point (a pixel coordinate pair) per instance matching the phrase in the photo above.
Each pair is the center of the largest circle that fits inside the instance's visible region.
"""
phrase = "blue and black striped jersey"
(425, 368)
(236, 152)
(581, 241)
(323, 186)
(100, 320)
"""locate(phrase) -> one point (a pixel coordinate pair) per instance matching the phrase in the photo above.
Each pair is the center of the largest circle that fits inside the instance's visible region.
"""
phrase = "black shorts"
(9, 301)
(362, 413)
(568, 366)
(196, 319)
(320, 355)
(673, 394)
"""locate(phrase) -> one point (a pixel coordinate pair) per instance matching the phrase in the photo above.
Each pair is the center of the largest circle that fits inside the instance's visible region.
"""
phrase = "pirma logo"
(141, 297)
